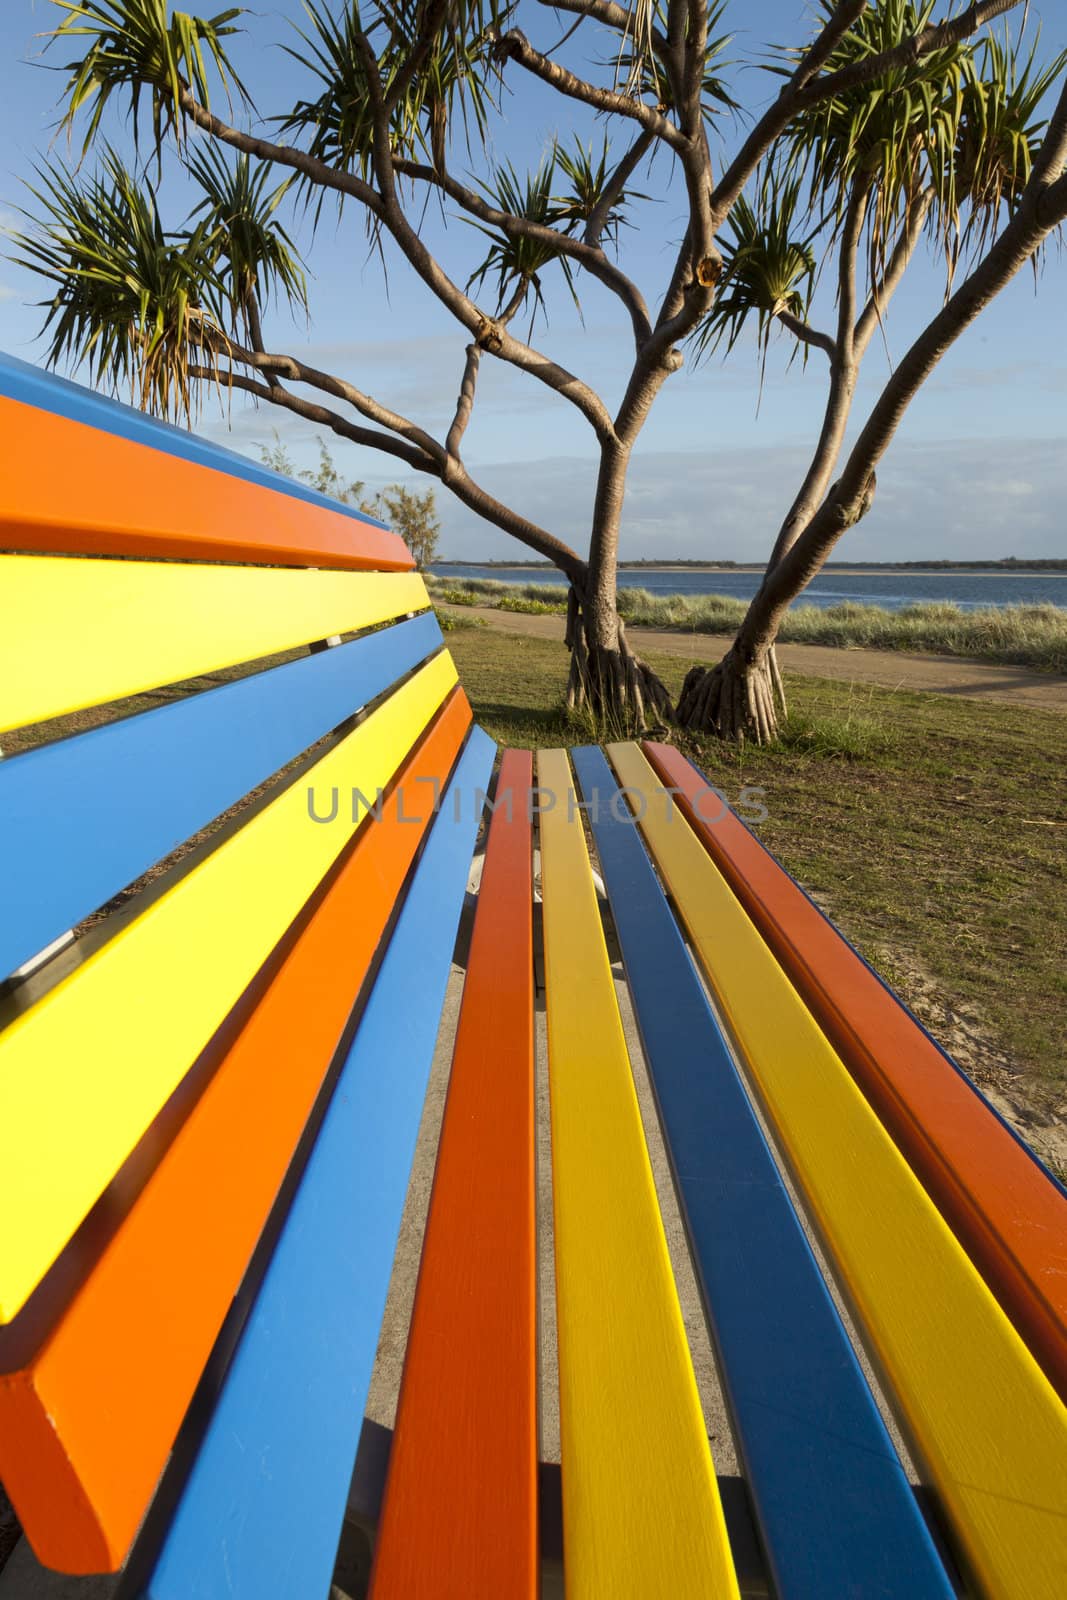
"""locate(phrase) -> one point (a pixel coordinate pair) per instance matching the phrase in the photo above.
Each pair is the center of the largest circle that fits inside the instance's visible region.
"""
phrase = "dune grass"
(931, 828)
(1032, 636)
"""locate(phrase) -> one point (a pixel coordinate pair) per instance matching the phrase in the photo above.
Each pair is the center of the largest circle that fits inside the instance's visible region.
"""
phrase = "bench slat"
(83, 817)
(460, 1514)
(48, 392)
(130, 485)
(85, 1070)
(86, 1425)
(262, 1509)
(836, 1510)
(641, 1508)
(81, 633)
(1010, 1216)
(987, 1424)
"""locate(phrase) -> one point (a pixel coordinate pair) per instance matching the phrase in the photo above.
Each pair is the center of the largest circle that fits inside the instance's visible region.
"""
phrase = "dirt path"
(888, 669)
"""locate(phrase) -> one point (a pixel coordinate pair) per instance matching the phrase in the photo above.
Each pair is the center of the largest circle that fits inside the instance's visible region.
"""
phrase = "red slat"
(460, 1516)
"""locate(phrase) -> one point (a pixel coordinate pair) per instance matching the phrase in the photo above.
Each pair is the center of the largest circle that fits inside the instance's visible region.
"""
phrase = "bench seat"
(234, 877)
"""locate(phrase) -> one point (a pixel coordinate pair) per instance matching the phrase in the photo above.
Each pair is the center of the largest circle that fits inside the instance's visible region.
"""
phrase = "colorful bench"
(210, 1100)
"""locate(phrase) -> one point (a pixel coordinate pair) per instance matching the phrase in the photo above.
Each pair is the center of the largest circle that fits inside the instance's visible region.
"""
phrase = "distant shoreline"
(993, 569)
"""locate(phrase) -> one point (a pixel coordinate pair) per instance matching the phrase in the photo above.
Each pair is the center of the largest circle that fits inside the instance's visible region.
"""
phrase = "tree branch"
(778, 115)
(855, 214)
(434, 19)
(610, 15)
(465, 403)
(490, 334)
(806, 334)
(255, 333)
(388, 211)
(1052, 206)
(590, 256)
(456, 478)
(468, 386)
(284, 155)
(696, 44)
(674, 294)
(598, 217)
(450, 472)
(299, 372)
(313, 412)
(514, 46)
(884, 290)
(844, 366)
(381, 144)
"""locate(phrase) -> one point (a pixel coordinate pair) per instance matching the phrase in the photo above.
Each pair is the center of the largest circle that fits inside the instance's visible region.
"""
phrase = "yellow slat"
(76, 633)
(83, 1073)
(989, 1427)
(642, 1515)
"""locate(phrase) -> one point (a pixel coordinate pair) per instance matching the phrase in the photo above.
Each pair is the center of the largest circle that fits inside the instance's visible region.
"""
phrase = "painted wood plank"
(460, 1514)
(87, 1424)
(835, 1508)
(262, 1509)
(85, 1070)
(47, 391)
(127, 490)
(77, 633)
(83, 817)
(641, 1509)
(987, 1425)
(1006, 1210)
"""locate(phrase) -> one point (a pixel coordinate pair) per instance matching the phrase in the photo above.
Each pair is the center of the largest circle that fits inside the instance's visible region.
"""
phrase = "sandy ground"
(888, 669)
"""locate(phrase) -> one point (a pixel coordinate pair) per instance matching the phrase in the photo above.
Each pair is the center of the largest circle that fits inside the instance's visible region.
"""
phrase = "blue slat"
(21, 381)
(261, 1513)
(82, 818)
(836, 1511)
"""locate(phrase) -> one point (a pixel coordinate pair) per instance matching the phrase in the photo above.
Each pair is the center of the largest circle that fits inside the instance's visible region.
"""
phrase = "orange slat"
(86, 1426)
(460, 1516)
(114, 496)
(1008, 1215)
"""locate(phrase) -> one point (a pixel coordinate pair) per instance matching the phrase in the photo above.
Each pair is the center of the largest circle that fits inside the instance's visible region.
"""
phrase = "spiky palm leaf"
(637, 67)
(520, 261)
(961, 122)
(999, 133)
(132, 302)
(338, 126)
(589, 176)
(239, 209)
(138, 45)
(769, 267)
(894, 135)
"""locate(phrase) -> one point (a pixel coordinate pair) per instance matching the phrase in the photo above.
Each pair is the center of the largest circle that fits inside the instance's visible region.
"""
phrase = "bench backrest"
(184, 1056)
(210, 1098)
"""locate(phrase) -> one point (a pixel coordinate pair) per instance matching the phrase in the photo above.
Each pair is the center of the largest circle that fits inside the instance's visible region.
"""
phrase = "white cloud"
(944, 499)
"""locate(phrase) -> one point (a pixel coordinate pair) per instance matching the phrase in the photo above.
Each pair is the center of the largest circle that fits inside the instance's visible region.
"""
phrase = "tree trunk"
(740, 698)
(743, 697)
(607, 680)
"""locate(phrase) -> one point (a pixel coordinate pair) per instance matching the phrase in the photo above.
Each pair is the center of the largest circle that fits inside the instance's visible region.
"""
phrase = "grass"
(1030, 636)
(931, 828)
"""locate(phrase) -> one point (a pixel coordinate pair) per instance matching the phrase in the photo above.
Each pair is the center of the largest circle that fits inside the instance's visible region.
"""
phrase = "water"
(969, 590)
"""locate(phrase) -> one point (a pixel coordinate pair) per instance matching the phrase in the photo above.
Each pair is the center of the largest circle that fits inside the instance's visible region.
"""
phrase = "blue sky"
(979, 467)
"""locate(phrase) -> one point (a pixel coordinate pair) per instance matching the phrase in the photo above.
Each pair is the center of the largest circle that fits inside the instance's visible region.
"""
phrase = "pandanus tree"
(886, 125)
(945, 145)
